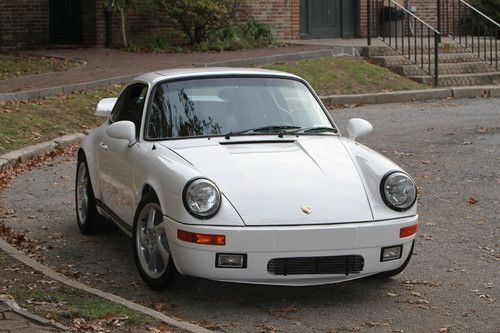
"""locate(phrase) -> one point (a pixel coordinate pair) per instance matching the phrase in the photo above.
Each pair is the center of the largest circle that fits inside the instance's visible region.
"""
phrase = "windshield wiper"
(316, 129)
(271, 128)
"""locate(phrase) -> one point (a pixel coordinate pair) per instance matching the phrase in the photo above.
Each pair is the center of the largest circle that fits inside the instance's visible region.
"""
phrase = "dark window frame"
(122, 99)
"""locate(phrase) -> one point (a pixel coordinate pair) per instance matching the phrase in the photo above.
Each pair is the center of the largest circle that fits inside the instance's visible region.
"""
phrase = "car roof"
(180, 73)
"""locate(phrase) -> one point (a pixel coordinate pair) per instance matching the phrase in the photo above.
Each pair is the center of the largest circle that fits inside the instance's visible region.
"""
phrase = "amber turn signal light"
(204, 239)
(408, 231)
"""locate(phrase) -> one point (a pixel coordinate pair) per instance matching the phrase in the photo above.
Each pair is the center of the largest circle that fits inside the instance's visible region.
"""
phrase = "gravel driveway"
(452, 150)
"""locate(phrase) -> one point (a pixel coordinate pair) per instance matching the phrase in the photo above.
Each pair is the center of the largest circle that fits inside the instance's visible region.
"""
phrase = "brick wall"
(142, 24)
(281, 15)
(24, 23)
(426, 11)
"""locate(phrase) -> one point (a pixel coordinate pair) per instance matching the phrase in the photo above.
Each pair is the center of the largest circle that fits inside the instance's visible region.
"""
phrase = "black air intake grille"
(316, 265)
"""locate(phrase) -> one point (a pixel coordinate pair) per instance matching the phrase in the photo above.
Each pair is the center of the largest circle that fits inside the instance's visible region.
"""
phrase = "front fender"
(167, 174)
(372, 167)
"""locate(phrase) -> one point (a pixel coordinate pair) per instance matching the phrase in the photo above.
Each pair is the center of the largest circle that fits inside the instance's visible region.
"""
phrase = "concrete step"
(447, 68)
(456, 80)
(444, 58)
(376, 51)
(386, 50)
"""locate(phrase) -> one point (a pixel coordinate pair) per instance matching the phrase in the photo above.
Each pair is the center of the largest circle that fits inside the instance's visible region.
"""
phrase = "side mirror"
(358, 127)
(122, 130)
(105, 106)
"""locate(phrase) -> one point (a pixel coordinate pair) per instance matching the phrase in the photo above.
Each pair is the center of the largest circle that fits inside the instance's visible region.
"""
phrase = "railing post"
(437, 37)
(369, 21)
(439, 17)
(439, 14)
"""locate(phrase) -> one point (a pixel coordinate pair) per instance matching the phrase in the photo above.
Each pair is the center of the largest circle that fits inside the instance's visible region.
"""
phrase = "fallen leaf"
(472, 201)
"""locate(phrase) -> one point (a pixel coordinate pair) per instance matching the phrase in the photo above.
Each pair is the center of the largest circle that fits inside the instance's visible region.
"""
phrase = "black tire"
(145, 241)
(388, 274)
(87, 217)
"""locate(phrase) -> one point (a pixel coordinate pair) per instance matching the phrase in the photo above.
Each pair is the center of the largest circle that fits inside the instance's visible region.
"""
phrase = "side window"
(130, 105)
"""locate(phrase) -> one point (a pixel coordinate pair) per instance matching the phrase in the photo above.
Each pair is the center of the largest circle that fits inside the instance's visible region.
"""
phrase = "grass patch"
(60, 302)
(15, 65)
(50, 299)
(347, 75)
(28, 123)
(5, 259)
(69, 300)
(98, 309)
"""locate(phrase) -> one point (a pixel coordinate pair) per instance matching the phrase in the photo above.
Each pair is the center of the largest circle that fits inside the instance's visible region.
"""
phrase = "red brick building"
(38, 23)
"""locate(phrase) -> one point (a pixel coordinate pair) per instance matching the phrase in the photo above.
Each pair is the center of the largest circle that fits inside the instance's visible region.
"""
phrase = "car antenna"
(228, 135)
(154, 147)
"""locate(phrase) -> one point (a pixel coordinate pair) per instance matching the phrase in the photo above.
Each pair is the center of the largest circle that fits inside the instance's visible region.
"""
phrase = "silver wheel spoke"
(158, 229)
(165, 253)
(151, 219)
(142, 237)
(152, 260)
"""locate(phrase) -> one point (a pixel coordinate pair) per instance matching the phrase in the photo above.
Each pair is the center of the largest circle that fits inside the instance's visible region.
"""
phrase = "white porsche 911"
(241, 175)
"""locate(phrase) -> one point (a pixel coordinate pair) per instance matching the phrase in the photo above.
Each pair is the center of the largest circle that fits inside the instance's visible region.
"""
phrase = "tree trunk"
(124, 32)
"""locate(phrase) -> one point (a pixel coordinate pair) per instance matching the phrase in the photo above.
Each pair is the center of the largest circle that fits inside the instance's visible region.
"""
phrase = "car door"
(118, 157)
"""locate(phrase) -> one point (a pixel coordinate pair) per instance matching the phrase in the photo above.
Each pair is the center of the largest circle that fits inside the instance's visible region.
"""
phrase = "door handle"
(103, 146)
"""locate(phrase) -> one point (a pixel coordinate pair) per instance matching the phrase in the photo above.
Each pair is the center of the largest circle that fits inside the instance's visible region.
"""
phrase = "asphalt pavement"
(450, 147)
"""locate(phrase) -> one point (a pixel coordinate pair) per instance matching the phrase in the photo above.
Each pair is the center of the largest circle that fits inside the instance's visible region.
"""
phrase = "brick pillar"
(362, 18)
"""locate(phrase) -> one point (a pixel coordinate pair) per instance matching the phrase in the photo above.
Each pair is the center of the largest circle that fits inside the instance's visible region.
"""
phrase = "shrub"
(197, 19)
(249, 35)
(258, 32)
(488, 7)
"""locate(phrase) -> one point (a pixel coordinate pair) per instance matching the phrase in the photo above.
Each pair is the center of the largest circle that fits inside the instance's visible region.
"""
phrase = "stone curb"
(24, 154)
(389, 97)
(82, 62)
(18, 255)
(14, 307)
(414, 95)
(55, 91)
(279, 58)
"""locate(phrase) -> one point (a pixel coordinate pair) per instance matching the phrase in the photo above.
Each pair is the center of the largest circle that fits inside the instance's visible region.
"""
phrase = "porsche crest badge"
(306, 209)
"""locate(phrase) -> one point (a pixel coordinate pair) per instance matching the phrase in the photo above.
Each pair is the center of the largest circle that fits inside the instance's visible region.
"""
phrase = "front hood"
(272, 182)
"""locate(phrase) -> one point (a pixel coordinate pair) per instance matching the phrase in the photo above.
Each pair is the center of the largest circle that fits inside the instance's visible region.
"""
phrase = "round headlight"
(398, 191)
(201, 198)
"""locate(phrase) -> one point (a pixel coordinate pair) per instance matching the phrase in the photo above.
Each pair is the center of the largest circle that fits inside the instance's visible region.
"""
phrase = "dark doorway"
(65, 21)
(327, 18)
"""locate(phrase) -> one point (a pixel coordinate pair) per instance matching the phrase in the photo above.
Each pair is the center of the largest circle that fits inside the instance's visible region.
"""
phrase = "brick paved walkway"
(10, 321)
(107, 63)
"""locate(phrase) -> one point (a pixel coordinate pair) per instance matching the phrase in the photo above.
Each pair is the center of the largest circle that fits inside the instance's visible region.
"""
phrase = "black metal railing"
(470, 28)
(405, 33)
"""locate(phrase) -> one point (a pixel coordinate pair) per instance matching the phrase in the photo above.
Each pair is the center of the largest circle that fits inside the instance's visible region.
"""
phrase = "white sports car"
(242, 175)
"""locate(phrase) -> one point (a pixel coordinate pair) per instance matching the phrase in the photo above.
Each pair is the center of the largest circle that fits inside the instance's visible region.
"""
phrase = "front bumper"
(262, 244)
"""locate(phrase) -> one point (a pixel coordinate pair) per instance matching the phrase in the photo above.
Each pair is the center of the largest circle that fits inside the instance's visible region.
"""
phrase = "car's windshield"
(218, 106)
